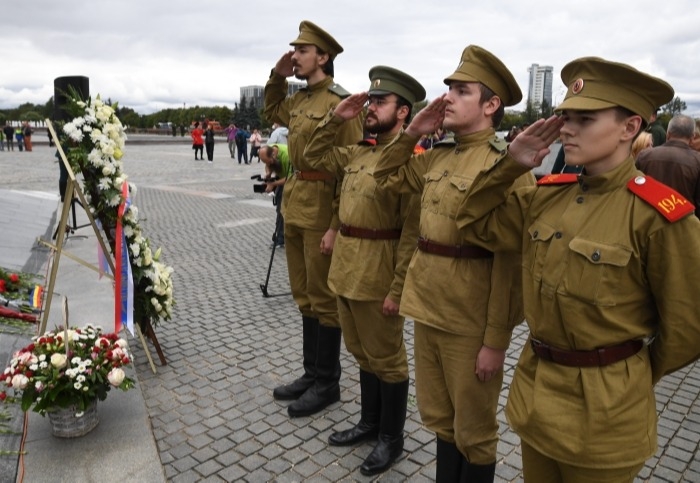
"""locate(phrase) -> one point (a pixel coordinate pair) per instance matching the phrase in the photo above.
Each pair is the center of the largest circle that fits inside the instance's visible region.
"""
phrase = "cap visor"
(583, 104)
(459, 77)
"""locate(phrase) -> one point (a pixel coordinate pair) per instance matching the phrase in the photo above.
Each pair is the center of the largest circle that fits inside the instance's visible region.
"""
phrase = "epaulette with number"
(368, 142)
(557, 179)
(667, 201)
(338, 90)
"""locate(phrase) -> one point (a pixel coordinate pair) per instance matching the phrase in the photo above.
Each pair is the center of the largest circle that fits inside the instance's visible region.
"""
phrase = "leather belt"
(313, 176)
(454, 251)
(603, 356)
(369, 233)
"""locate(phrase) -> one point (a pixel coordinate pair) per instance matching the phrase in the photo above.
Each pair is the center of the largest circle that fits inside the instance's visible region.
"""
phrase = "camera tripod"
(263, 286)
(70, 229)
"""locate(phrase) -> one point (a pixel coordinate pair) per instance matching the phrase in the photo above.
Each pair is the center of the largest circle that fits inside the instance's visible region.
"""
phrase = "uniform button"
(579, 200)
(361, 168)
(584, 187)
(446, 173)
(463, 185)
(596, 256)
(640, 180)
(558, 235)
(535, 234)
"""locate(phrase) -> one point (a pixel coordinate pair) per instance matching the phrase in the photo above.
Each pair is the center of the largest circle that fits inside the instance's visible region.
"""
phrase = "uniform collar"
(609, 181)
(321, 85)
(474, 138)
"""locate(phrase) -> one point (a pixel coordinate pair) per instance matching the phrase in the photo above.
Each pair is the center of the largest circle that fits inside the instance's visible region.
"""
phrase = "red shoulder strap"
(555, 179)
(667, 201)
(368, 142)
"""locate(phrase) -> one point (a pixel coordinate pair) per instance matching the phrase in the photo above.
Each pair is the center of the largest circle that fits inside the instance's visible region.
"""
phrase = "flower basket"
(71, 423)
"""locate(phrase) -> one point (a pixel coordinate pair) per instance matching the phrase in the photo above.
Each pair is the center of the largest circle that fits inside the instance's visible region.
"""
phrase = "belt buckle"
(541, 349)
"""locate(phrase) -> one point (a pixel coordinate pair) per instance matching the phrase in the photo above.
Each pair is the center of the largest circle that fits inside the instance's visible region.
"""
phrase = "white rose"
(58, 360)
(20, 381)
(116, 376)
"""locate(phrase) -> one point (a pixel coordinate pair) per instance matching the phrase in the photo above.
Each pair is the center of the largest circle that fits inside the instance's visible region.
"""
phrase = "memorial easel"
(73, 191)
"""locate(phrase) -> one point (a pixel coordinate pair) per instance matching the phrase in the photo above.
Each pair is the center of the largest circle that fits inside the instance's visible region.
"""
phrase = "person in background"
(27, 132)
(609, 260)
(695, 142)
(242, 144)
(255, 142)
(231, 139)
(276, 159)
(675, 163)
(278, 134)
(209, 142)
(9, 136)
(19, 137)
(642, 143)
(2, 141)
(197, 141)
(658, 133)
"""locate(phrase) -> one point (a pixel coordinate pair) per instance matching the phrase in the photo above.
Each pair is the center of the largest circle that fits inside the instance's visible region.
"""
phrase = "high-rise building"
(254, 94)
(540, 87)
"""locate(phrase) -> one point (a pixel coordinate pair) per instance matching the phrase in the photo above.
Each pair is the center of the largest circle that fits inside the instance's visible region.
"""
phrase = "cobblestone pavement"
(211, 407)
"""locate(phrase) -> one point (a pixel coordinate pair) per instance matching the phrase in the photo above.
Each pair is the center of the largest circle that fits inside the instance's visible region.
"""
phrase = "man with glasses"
(378, 233)
(310, 209)
(464, 299)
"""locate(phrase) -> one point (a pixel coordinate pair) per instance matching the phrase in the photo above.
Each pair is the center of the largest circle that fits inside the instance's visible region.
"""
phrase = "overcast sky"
(153, 54)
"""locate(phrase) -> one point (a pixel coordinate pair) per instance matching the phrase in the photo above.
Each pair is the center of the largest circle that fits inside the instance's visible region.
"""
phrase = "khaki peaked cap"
(480, 65)
(594, 83)
(387, 80)
(310, 33)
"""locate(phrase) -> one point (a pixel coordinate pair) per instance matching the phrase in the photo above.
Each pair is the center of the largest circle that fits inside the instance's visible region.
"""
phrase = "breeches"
(452, 401)
(308, 274)
(376, 340)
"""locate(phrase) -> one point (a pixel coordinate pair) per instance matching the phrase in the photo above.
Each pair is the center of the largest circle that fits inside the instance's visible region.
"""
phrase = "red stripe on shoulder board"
(667, 201)
(553, 179)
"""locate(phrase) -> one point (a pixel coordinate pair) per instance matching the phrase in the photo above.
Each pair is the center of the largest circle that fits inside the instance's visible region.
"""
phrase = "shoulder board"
(368, 142)
(667, 201)
(445, 143)
(338, 90)
(557, 179)
(498, 144)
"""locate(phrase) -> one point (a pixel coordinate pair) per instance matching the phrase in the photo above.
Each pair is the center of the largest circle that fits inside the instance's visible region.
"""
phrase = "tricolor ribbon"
(123, 280)
(35, 296)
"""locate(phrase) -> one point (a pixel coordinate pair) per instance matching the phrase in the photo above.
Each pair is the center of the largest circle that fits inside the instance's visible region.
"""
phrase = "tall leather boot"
(326, 387)
(472, 473)
(368, 427)
(309, 348)
(448, 462)
(393, 418)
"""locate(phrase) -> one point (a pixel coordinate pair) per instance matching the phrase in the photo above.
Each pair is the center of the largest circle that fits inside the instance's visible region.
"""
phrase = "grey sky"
(153, 54)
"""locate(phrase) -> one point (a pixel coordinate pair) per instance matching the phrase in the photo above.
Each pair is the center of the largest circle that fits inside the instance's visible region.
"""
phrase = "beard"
(379, 126)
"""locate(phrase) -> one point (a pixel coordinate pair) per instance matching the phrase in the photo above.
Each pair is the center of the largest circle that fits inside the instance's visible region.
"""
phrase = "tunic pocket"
(595, 271)
(358, 182)
(534, 258)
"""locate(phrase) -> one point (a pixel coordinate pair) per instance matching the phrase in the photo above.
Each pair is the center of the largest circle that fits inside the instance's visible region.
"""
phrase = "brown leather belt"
(454, 251)
(369, 233)
(313, 176)
(603, 356)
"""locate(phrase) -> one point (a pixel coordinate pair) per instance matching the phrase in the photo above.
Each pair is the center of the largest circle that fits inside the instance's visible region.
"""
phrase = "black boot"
(472, 473)
(325, 390)
(390, 446)
(310, 345)
(368, 427)
(448, 462)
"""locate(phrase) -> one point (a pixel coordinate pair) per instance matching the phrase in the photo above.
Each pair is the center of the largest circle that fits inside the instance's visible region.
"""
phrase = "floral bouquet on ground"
(16, 289)
(49, 376)
(95, 141)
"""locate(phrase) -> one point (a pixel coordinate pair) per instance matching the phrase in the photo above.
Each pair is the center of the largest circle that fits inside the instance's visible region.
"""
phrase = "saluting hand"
(285, 66)
(532, 145)
(351, 106)
(429, 119)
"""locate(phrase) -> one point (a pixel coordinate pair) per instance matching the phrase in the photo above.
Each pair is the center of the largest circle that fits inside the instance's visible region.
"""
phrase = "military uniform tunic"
(459, 304)
(362, 269)
(309, 207)
(601, 266)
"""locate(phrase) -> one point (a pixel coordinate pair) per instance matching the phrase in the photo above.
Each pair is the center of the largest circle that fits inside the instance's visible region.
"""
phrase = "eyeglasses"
(378, 102)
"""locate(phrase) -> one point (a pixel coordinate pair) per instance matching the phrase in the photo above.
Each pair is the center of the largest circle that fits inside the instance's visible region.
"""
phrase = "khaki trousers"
(308, 275)
(376, 340)
(538, 468)
(452, 401)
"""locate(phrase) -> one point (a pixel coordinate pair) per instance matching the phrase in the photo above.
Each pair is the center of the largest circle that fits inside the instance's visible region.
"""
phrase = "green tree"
(676, 106)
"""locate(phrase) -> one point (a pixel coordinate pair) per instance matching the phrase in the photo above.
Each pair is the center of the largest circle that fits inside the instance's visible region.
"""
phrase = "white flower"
(42, 357)
(77, 385)
(38, 385)
(58, 360)
(135, 249)
(116, 376)
(19, 381)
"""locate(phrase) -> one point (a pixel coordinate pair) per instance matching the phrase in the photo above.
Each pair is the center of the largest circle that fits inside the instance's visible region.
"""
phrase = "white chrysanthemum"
(135, 249)
(115, 200)
(105, 184)
(128, 231)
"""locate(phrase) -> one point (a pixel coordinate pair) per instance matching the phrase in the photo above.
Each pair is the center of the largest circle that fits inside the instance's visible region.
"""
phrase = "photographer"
(276, 159)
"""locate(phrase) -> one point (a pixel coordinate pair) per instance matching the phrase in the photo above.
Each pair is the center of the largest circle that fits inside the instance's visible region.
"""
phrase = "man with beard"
(310, 209)
(379, 228)
(464, 299)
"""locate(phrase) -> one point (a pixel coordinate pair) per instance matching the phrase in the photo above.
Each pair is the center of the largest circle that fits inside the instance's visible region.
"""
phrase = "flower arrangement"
(16, 290)
(95, 139)
(48, 374)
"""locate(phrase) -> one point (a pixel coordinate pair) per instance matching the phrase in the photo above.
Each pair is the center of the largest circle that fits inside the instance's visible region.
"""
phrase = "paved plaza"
(210, 409)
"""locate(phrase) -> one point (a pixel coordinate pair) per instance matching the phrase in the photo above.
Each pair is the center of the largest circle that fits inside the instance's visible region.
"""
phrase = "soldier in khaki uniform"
(310, 205)
(464, 299)
(610, 265)
(378, 234)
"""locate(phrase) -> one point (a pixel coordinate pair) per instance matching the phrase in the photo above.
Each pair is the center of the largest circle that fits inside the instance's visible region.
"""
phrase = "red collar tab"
(368, 142)
(556, 179)
(667, 201)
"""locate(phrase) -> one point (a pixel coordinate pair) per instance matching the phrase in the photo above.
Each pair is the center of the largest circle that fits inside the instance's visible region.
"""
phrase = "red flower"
(14, 278)
(3, 396)
(3, 288)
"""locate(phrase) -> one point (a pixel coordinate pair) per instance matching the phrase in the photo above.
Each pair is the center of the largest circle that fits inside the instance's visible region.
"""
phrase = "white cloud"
(156, 54)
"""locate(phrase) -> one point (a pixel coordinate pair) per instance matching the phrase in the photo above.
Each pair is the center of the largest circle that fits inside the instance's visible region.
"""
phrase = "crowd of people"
(455, 233)
(20, 136)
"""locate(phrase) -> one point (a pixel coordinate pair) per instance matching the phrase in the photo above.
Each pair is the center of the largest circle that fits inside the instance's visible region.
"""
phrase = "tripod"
(263, 286)
(70, 229)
